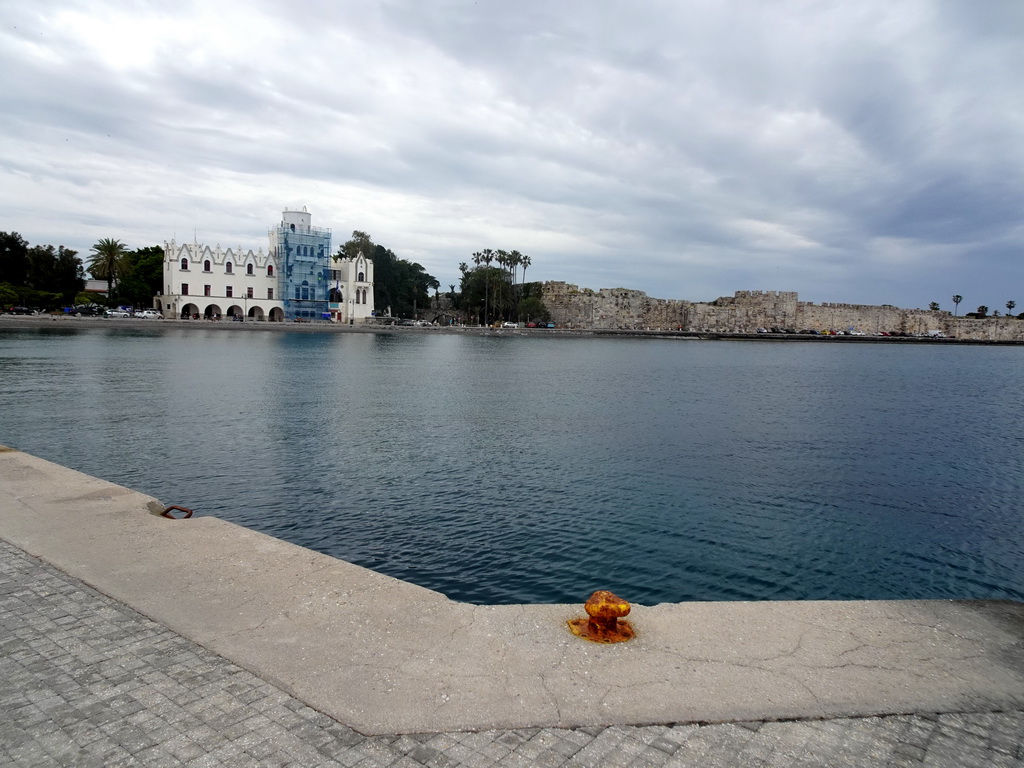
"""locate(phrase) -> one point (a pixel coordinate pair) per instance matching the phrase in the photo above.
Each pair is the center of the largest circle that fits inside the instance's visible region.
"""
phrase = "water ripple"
(537, 470)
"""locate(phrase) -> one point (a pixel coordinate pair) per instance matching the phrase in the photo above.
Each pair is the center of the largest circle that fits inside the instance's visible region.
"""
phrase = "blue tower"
(303, 256)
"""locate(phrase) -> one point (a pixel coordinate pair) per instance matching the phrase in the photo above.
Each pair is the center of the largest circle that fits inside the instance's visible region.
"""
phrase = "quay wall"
(388, 657)
(573, 307)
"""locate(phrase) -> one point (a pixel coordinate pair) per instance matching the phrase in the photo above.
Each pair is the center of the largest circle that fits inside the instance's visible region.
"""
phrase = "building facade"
(351, 294)
(295, 280)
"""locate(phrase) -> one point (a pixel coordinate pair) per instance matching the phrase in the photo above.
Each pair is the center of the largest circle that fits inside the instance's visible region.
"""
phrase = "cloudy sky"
(868, 152)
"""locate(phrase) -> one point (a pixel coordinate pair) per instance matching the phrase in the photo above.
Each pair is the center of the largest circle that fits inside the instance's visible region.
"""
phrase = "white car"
(116, 313)
(507, 324)
(150, 314)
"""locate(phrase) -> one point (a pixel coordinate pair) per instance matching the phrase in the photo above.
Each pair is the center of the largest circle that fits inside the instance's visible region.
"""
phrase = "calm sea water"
(510, 469)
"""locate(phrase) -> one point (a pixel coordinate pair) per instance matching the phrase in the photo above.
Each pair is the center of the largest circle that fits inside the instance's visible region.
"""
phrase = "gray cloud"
(863, 152)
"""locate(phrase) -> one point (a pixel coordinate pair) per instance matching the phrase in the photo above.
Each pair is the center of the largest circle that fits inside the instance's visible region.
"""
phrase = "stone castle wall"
(610, 309)
(746, 311)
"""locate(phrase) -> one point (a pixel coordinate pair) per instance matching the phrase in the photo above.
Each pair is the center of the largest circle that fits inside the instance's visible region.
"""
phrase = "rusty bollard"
(605, 624)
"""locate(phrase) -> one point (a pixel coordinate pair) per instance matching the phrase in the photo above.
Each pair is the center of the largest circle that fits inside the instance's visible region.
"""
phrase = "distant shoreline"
(66, 321)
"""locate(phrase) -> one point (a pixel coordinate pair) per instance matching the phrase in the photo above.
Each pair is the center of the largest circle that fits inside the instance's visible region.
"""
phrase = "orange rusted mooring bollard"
(604, 626)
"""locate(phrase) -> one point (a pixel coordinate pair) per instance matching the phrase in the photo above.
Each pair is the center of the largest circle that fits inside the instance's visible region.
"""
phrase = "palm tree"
(525, 261)
(1009, 307)
(107, 261)
(515, 258)
(956, 303)
(934, 306)
(487, 256)
(983, 310)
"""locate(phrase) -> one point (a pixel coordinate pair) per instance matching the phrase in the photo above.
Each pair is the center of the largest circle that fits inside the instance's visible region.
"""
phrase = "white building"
(297, 279)
(351, 294)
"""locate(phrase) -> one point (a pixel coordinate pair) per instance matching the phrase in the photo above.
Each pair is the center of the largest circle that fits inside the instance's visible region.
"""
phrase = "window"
(270, 270)
(206, 290)
(248, 292)
(248, 269)
(270, 293)
(228, 292)
(227, 267)
(206, 266)
(298, 293)
(184, 264)
(361, 278)
(184, 289)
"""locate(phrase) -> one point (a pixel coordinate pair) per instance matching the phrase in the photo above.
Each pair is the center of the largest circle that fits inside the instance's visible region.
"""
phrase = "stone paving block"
(91, 682)
(650, 757)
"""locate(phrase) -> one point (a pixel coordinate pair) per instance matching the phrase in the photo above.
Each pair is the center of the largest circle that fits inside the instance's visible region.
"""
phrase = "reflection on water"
(498, 469)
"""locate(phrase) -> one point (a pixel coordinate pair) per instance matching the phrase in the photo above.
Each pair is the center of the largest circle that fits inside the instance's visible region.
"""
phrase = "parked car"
(83, 311)
(507, 324)
(150, 314)
(21, 311)
(116, 313)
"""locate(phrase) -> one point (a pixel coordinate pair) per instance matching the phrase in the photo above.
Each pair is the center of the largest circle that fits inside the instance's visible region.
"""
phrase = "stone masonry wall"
(615, 308)
(746, 311)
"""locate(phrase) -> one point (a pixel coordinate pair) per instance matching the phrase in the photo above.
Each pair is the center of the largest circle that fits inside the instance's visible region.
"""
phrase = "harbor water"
(508, 469)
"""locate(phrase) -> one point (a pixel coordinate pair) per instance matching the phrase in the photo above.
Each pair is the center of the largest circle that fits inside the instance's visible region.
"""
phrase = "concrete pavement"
(449, 684)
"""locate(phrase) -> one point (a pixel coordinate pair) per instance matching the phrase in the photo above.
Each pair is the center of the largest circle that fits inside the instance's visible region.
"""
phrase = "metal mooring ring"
(186, 510)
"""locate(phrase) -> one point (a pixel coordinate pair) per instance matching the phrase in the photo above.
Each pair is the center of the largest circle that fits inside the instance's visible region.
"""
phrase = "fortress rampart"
(746, 311)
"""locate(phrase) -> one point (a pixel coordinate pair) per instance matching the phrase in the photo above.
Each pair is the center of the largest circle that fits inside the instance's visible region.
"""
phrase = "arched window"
(270, 270)
(206, 266)
(184, 263)
(248, 269)
(227, 267)
(361, 278)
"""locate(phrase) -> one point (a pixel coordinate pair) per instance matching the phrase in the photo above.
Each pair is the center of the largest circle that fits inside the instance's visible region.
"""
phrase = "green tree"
(8, 295)
(360, 242)
(934, 306)
(142, 276)
(532, 309)
(56, 271)
(487, 292)
(1009, 307)
(956, 303)
(107, 261)
(983, 310)
(13, 258)
(398, 284)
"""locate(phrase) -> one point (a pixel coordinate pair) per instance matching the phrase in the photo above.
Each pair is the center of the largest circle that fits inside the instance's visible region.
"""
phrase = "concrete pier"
(385, 657)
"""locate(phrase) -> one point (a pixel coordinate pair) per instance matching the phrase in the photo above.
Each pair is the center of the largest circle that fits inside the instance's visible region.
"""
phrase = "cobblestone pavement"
(87, 681)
